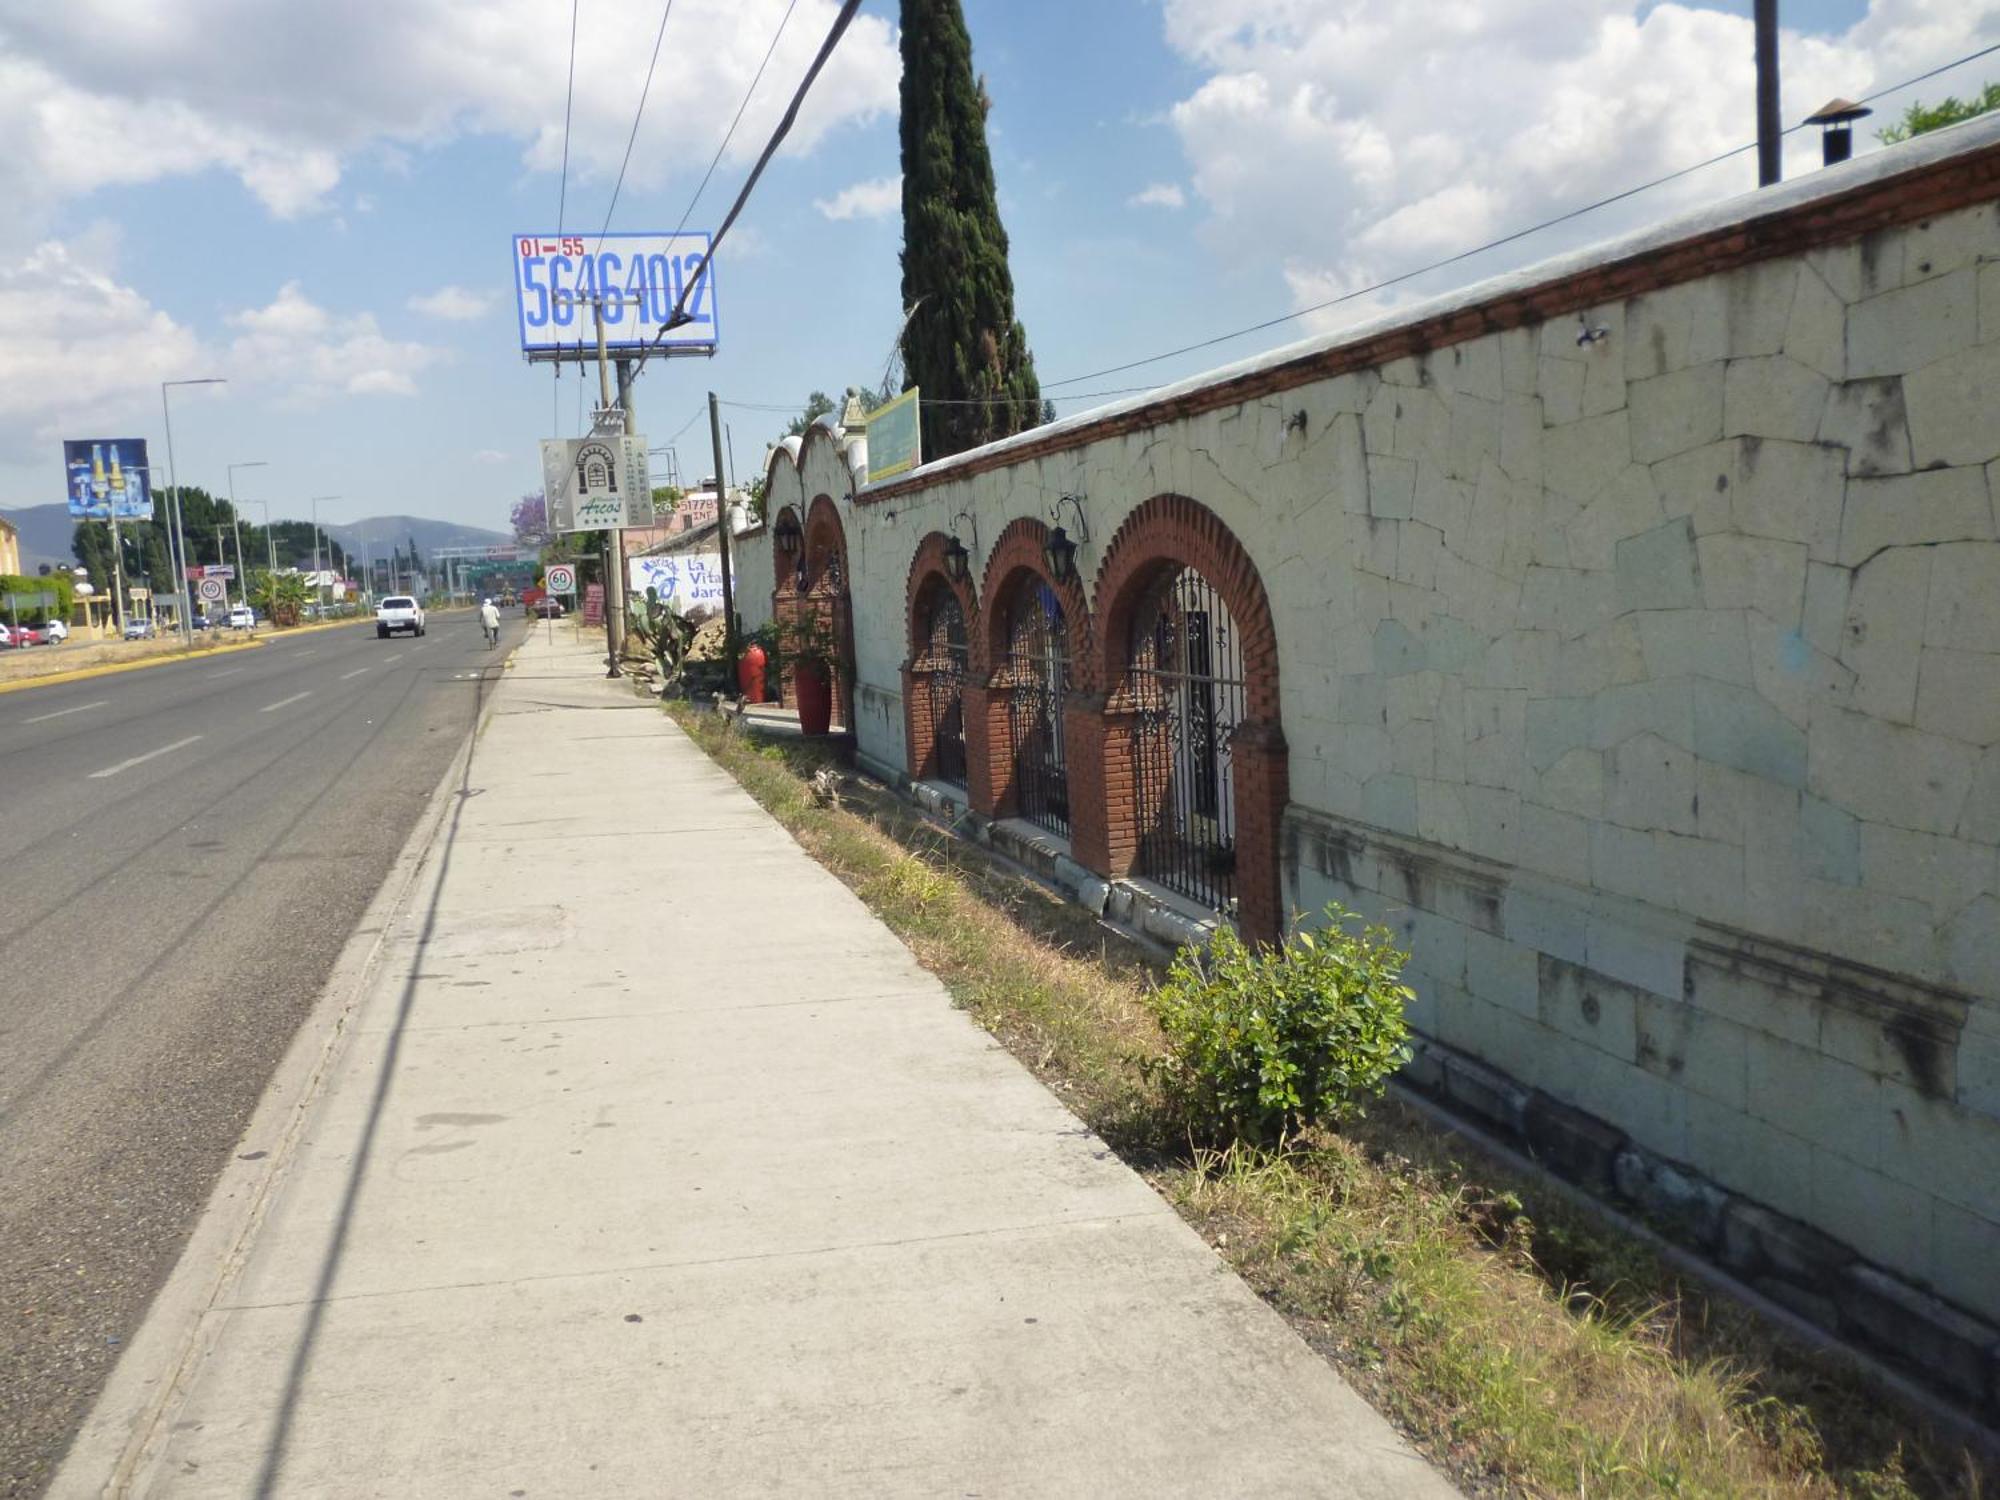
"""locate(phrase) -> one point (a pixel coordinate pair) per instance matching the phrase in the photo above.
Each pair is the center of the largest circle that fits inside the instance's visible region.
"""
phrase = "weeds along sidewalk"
(655, 1164)
(1527, 1347)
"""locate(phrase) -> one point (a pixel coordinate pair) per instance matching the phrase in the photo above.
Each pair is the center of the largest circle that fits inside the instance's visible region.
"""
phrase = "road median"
(12, 682)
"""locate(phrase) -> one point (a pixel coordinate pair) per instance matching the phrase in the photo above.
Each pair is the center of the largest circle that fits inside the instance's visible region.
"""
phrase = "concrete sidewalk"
(652, 1164)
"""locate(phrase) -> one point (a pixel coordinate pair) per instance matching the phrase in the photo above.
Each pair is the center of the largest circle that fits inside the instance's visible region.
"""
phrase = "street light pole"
(317, 584)
(236, 516)
(174, 483)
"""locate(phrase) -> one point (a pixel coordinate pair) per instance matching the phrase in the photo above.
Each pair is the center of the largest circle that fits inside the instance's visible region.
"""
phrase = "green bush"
(1263, 1041)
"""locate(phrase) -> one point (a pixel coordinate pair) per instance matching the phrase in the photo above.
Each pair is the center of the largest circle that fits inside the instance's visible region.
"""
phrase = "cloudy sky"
(317, 199)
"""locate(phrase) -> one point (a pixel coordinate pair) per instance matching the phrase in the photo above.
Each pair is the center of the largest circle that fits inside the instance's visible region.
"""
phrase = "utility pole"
(722, 530)
(1770, 137)
(614, 545)
(178, 536)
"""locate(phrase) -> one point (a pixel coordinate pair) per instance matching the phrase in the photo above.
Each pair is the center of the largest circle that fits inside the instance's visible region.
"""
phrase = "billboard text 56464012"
(642, 277)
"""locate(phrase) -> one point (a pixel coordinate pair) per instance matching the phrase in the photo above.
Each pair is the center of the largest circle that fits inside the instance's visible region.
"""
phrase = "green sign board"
(895, 445)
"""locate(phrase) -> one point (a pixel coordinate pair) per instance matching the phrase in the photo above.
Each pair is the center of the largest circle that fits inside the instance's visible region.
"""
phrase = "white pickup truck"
(398, 612)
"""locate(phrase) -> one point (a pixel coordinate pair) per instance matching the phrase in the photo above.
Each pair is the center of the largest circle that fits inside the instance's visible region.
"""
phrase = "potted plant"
(808, 642)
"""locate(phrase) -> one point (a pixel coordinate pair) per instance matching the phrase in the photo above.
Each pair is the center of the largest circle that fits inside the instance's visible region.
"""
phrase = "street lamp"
(173, 481)
(317, 585)
(236, 517)
(270, 543)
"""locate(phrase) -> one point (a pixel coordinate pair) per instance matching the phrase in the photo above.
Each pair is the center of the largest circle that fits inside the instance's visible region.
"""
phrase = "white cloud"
(97, 93)
(1329, 138)
(81, 350)
(310, 354)
(489, 456)
(454, 303)
(876, 198)
(1159, 195)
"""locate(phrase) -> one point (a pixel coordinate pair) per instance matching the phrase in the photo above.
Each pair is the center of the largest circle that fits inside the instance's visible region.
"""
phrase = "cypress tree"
(962, 343)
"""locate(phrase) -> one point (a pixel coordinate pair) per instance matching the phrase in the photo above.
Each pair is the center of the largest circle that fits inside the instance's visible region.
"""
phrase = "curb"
(107, 669)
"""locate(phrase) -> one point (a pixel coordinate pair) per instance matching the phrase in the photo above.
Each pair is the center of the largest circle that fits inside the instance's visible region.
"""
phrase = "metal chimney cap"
(1838, 112)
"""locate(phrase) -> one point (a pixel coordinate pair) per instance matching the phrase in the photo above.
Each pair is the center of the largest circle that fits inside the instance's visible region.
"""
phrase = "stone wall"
(1638, 658)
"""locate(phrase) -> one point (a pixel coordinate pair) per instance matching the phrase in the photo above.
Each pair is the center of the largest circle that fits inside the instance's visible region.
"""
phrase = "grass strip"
(1525, 1347)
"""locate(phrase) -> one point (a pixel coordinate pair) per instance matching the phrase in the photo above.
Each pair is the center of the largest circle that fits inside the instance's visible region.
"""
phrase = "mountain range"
(46, 531)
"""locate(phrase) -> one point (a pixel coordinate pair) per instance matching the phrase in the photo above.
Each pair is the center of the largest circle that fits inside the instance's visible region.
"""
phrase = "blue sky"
(1169, 169)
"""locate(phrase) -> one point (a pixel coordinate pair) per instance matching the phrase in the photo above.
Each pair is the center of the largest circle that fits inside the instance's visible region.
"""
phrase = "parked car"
(139, 628)
(55, 632)
(548, 607)
(398, 612)
(21, 636)
(200, 622)
(242, 617)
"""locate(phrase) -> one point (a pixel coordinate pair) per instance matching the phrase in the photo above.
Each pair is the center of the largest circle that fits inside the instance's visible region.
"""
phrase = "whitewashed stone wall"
(1650, 686)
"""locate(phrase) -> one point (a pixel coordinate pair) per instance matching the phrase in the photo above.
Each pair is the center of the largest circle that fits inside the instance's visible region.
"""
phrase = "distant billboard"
(895, 439)
(687, 581)
(642, 278)
(108, 476)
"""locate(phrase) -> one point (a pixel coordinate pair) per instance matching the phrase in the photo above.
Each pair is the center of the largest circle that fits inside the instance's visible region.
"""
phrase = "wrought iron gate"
(1187, 681)
(1037, 678)
(944, 662)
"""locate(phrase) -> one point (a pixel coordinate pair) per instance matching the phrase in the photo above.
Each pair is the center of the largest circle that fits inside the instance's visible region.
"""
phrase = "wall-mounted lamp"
(1836, 120)
(1058, 550)
(1586, 335)
(957, 561)
(1296, 422)
(786, 533)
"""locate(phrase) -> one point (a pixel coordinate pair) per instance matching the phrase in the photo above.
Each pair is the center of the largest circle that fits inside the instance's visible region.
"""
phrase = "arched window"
(939, 655)
(1035, 675)
(1186, 681)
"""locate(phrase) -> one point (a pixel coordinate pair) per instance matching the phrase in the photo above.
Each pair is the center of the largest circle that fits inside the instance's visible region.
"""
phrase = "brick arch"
(1172, 531)
(1016, 554)
(827, 594)
(928, 575)
(1166, 533)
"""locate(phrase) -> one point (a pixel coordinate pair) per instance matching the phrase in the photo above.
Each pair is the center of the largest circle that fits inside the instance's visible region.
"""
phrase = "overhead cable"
(637, 115)
(1505, 239)
(729, 134)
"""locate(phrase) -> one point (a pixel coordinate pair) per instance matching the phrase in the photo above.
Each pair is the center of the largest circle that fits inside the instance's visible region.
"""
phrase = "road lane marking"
(140, 760)
(79, 709)
(389, 661)
(230, 673)
(309, 651)
(284, 702)
(355, 673)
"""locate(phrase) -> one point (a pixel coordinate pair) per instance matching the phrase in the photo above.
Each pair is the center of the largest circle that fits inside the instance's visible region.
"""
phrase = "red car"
(19, 636)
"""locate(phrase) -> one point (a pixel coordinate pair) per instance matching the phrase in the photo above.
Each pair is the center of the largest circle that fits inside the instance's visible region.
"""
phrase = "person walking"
(489, 620)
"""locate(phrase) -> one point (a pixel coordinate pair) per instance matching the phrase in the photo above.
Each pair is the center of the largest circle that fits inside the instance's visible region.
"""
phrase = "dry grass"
(1526, 1348)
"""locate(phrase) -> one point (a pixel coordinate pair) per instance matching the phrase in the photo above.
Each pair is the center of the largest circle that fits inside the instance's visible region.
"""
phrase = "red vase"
(750, 674)
(815, 695)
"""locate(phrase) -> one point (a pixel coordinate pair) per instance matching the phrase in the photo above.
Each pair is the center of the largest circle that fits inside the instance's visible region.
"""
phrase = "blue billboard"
(640, 276)
(108, 476)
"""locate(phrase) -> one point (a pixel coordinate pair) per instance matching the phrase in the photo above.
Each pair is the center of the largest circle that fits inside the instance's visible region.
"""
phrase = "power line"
(569, 99)
(728, 135)
(637, 115)
(1504, 240)
(834, 33)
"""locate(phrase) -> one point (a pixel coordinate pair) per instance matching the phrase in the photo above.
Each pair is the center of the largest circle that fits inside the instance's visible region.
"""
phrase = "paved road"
(183, 852)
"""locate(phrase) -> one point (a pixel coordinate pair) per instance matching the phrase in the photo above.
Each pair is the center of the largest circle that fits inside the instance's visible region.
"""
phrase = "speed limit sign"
(212, 589)
(562, 579)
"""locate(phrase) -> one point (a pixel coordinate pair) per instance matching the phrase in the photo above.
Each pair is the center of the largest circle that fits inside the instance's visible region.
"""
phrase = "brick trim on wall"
(1169, 532)
(927, 571)
(1018, 554)
(826, 538)
(1881, 203)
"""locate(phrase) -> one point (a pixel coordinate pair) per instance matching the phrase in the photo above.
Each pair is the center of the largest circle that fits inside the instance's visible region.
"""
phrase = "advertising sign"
(641, 278)
(895, 442)
(597, 483)
(686, 580)
(593, 604)
(106, 475)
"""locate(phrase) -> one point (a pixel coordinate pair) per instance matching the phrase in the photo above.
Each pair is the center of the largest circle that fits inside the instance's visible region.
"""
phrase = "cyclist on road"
(489, 621)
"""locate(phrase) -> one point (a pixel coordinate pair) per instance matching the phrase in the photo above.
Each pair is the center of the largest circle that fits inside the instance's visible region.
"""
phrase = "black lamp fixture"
(1058, 550)
(786, 533)
(1836, 120)
(957, 561)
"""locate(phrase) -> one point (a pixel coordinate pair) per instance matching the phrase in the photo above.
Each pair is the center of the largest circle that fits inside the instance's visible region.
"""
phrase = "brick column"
(917, 734)
(989, 762)
(1261, 764)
